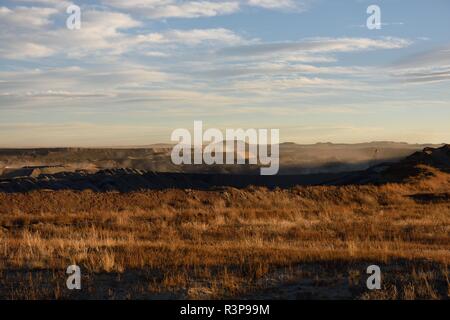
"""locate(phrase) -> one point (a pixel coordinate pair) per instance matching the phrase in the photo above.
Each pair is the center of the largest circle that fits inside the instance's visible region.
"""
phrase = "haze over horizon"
(139, 69)
(169, 144)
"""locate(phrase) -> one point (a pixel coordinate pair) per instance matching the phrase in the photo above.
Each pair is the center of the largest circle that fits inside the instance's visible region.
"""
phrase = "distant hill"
(413, 165)
(126, 179)
(295, 159)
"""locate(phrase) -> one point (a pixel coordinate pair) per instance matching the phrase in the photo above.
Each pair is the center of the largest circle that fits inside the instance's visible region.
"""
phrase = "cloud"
(193, 37)
(97, 80)
(279, 68)
(25, 50)
(25, 18)
(317, 45)
(103, 34)
(59, 4)
(161, 9)
(54, 94)
(274, 4)
(101, 31)
(264, 67)
(429, 66)
(19, 26)
(425, 76)
(266, 86)
(431, 58)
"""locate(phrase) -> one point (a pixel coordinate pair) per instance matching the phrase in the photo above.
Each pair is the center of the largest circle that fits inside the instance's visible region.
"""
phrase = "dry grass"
(227, 243)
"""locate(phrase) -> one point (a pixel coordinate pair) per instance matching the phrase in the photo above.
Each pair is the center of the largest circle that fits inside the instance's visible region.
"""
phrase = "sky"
(137, 70)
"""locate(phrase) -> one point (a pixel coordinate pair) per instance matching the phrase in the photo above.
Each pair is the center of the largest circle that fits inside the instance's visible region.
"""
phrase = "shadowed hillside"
(294, 159)
(126, 180)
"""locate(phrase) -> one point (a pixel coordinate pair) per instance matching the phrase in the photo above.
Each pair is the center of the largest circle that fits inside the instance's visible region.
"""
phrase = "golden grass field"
(299, 243)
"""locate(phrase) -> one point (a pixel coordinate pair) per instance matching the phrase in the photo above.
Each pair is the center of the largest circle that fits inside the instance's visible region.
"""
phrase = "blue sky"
(139, 69)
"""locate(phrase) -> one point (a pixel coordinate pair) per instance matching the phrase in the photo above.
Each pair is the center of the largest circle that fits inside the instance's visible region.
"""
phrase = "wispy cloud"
(429, 66)
(164, 9)
(279, 4)
(318, 45)
(160, 9)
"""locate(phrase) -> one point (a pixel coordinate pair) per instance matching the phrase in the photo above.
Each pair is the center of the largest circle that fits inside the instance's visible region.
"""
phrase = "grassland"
(299, 243)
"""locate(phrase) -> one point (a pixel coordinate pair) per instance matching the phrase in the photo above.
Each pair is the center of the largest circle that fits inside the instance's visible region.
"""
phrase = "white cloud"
(274, 4)
(160, 9)
(25, 17)
(101, 31)
(44, 2)
(103, 34)
(197, 36)
(25, 50)
(19, 26)
(58, 4)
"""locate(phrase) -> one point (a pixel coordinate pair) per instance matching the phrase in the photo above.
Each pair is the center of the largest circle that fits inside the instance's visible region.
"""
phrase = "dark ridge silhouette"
(438, 158)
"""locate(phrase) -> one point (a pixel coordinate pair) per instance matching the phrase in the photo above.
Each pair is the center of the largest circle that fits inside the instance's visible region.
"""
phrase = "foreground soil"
(297, 243)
